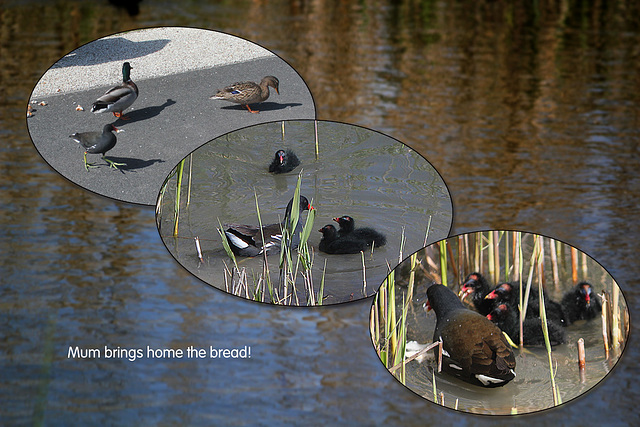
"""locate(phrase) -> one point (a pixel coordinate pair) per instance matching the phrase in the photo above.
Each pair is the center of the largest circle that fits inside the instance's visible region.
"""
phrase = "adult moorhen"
(581, 303)
(474, 349)
(505, 317)
(118, 98)
(369, 235)
(510, 293)
(246, 240)
(332, 243)
(97, 143)
(284, 161)
(246, 93)
(477, 286)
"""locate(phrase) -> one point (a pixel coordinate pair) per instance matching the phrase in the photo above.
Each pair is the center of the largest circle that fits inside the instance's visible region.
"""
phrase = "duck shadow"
(144, 113)
(131, 164)
(263, 106)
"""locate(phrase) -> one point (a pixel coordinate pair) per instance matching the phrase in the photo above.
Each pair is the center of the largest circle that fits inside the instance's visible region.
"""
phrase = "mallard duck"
(97, 143)
(246, 93)
(118, 98)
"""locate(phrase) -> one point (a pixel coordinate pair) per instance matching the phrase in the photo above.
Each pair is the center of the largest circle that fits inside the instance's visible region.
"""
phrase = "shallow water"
(378, 181)
(529, 112)
(530, 391)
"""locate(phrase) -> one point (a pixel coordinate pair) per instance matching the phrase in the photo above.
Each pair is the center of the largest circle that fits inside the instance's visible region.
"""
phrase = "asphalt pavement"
(172, 116)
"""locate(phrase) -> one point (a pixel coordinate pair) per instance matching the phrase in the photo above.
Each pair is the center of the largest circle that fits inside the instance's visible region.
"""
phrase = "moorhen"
(246, 93)
(581, 303)
(369, 235)
(477, 286)
(118, 98)
(284, 161)
(332, 243)
(246, 240)
(474, 349)
(510, 293)
(505, 317)
(97, 143)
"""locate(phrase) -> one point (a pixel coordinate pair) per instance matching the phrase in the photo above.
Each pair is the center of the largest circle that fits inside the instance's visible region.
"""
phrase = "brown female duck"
(246, 93)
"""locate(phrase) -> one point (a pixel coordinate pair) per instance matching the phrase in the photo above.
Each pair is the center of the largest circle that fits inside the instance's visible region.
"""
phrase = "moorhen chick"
(477, 286)
(284, 161)
(474, 349)
(97, 143)
(510, 293)
(245, 93)
(369, 235)
(332, 243)
(246, 240)
(118, 98)
(505, 317)
(581, 303)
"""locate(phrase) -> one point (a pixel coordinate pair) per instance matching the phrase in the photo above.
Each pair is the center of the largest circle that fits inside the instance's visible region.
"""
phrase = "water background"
(528, 111)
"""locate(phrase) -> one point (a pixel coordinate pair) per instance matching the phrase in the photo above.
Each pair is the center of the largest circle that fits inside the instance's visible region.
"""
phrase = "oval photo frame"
(176, 71)
(343, 170)
(483, 305)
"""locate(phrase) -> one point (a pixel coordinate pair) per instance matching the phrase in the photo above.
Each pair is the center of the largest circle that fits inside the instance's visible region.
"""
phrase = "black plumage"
(284, 161)
(369, 235)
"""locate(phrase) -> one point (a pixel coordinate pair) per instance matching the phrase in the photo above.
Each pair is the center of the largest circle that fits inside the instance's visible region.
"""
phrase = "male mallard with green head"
(118, 98)
(246, 93)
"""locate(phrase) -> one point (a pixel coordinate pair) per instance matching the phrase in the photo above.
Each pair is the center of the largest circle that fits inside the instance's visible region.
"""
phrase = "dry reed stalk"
(581, 361)
(517, 255)
(492, 257)
(466, 250)
(585, 272)
(198, 249)
(554, 263)
(615, 318)
(460, 258)
(412, 275)
(574, 265)
(364, 275)
(413, 357)
(477, 252)
(453, 265)
(496, 256)
(581, 354)
(605, 322)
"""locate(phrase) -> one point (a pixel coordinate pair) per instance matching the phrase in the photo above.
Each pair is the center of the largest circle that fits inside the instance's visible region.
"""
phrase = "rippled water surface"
(528, 111)
(378, 181)
(531, 389)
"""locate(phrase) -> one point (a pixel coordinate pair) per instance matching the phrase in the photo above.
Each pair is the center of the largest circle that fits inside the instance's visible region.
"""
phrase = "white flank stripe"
(236, 241)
